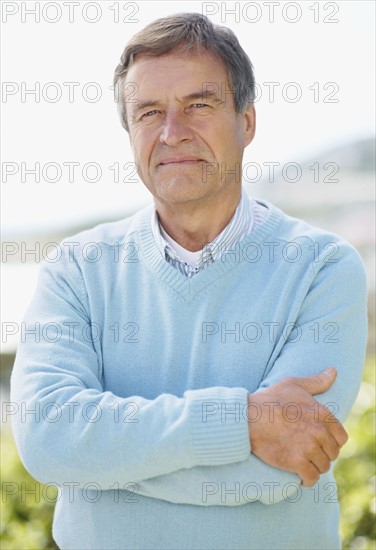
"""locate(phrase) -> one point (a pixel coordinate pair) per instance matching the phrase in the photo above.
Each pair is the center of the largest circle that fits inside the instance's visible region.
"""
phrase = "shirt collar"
(235, 230)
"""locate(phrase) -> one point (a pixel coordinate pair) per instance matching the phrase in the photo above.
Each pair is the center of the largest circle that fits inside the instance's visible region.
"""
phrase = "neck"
(195, 223)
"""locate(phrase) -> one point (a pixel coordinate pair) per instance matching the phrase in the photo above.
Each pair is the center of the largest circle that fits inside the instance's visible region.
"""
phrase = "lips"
(179, 160)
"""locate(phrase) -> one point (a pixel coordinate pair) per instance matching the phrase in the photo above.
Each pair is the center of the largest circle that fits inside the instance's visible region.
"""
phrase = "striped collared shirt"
(238, 228)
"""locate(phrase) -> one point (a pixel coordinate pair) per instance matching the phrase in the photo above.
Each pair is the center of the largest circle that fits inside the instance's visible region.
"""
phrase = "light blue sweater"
(140, 377)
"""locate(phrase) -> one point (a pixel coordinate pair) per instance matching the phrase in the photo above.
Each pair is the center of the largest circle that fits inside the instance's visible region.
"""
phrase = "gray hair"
(189, 32)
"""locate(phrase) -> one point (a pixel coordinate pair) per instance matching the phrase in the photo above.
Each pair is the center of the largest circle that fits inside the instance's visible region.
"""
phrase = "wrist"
(254, 418)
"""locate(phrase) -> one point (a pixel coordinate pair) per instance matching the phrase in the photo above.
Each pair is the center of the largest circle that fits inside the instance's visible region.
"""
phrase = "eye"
(200, 105)
(149, 113)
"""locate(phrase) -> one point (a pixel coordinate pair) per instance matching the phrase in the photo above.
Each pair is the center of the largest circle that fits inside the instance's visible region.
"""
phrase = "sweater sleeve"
(328, 328)
(67, 428)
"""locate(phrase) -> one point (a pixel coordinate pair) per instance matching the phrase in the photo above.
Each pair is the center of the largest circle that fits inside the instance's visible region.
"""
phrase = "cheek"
(234, 140)
(226, 144)
(225, 136)
(140, 154)
(143, 146)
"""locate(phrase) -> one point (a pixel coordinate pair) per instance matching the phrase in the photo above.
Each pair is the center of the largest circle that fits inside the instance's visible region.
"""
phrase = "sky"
(317, 58)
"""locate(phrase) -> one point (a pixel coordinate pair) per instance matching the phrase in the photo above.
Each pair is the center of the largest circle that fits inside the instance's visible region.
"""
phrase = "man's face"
(186, 138)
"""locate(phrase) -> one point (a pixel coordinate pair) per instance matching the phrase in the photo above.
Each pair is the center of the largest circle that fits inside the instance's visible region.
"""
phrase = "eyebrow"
(141, 105)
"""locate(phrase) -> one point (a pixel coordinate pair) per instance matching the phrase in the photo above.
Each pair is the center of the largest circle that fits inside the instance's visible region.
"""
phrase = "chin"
(180, 189)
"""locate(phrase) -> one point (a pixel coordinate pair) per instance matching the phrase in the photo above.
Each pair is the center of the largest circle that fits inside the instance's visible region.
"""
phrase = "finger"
(321, 460)
(333, 425)
(317, 383)
(340, 434)
(309, 474)
(329, 445)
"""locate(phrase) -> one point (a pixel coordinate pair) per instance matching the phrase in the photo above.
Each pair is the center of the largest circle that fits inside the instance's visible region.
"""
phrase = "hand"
(302, 438)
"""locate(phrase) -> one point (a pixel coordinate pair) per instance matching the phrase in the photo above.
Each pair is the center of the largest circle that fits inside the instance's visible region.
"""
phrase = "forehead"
(176, 70)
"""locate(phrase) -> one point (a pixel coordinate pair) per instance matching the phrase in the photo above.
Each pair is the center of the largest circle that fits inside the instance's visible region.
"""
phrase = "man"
(181, 403)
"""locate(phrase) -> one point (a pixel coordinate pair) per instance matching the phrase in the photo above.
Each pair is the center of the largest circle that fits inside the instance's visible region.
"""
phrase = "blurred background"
(66, 167)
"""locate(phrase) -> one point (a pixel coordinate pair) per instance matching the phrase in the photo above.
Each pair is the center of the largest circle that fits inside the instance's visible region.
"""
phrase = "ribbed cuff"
(219, 425)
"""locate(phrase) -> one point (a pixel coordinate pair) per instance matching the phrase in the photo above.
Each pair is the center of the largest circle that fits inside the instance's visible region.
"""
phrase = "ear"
(249, 125)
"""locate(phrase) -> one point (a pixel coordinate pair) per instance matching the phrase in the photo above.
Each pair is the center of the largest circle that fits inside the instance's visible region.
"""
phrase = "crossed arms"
(169, 453)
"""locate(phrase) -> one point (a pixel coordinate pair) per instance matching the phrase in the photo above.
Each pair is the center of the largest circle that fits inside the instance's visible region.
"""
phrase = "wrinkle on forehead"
(209, 87)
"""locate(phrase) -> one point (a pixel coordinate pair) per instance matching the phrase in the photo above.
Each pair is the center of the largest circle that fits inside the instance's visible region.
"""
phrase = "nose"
(175, 129)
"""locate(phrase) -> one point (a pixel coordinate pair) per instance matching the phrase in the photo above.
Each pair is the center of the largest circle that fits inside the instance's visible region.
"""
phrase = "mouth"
(180, 161)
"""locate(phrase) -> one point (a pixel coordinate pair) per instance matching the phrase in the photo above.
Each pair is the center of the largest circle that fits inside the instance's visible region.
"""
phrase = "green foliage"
(355, 469)
(26, 515)
(26, 505)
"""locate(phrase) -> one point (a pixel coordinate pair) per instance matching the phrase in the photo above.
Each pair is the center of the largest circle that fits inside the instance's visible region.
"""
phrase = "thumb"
(317, 383)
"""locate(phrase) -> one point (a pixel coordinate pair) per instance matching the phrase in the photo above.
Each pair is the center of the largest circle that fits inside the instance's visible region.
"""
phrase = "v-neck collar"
(189, 288)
